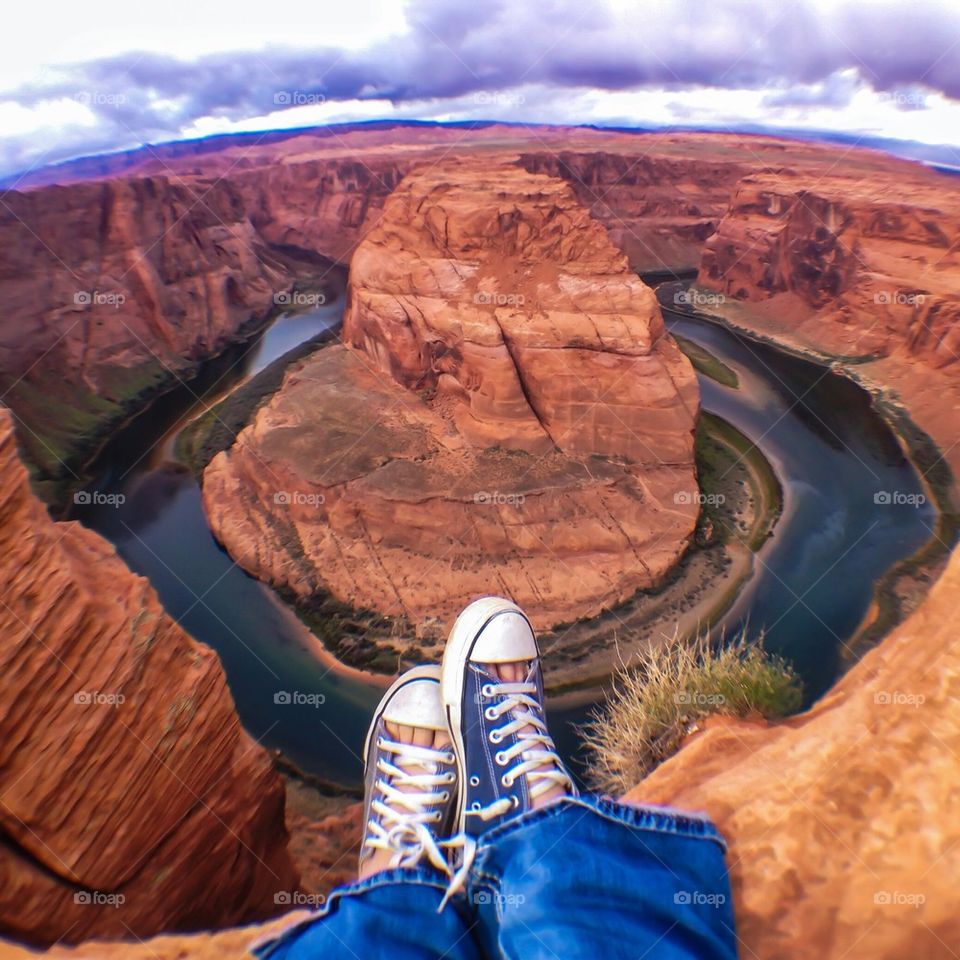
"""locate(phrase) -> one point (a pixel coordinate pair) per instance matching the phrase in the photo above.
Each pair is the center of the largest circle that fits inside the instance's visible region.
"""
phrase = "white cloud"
(36, 38)
(190, 69)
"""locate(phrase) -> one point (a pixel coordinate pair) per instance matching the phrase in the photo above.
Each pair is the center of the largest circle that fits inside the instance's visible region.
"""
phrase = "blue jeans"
(581, 878)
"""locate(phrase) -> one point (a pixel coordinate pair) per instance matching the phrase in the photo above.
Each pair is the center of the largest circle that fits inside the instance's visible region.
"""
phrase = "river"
(835, 456)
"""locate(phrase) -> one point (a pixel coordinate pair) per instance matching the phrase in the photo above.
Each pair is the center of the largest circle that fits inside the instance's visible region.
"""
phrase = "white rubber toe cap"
(507, 638)
(417, 704)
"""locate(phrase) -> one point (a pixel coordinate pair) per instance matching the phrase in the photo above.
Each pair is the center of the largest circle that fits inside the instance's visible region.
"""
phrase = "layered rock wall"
(658, 209)
(874, 266)
(131, 801)
(114, 289)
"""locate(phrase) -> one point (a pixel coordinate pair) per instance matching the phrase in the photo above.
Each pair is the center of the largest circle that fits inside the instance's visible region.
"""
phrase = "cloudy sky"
(79, 78)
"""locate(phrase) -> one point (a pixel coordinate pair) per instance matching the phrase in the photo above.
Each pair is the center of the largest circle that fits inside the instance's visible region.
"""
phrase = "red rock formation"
(324, 205)
(866, 269)
(112, 290)
(843, 838)
(657, 208)
(324, 845)
(877, 271)
(195, 237)
(131, 801)
(530, 381)
(495, 288)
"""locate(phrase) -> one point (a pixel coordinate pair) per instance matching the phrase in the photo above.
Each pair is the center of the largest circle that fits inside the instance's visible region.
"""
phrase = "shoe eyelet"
(488, 690)
(437, 817)
(507, 780)
(450, 777)
(516, 801)
(495, 736)
(449, 758)
(474, 781)
(379, 743)
(475, 805)
(500, 757)
(445, 796)
(490, 713)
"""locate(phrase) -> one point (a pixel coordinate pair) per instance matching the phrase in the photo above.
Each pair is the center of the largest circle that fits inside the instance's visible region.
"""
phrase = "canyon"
(121, 275)
(502, 368)
(130, 246)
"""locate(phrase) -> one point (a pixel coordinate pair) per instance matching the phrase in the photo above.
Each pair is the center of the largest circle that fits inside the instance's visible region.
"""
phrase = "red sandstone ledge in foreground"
(844, 838)
(843, 822)
(131, 800)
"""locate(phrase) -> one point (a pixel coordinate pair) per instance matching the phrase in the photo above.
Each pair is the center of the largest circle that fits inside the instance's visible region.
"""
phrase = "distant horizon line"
(928, 154)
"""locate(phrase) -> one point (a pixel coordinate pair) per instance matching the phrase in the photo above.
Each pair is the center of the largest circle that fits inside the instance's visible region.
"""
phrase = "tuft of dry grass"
(658, 700)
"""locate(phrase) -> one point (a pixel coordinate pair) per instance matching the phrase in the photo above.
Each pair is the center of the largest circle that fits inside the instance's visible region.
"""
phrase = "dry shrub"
(656, 702)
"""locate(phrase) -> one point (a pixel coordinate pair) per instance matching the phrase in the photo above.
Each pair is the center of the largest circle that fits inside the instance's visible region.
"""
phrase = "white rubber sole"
(455, 654)
(428, 671)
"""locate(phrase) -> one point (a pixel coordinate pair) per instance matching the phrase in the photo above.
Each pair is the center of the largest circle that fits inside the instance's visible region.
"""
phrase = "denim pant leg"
(390, 916)
(587, 878)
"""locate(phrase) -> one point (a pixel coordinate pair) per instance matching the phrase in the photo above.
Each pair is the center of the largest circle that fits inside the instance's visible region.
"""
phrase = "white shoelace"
(535, 749)
(404, 814)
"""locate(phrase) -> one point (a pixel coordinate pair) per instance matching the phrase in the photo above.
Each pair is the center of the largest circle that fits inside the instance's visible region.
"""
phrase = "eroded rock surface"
(112, 290)
(843, 838)
(876, 268)
(509, 413)
(131, 801)
(866, 270)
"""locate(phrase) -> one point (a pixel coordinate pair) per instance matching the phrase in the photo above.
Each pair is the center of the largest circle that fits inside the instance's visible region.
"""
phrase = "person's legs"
(394, 910)
(556, 876)
(588, 877)
(392, 915)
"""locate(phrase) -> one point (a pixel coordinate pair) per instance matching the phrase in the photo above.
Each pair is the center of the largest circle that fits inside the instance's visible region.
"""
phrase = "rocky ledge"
(507, 412)
(131, 800)
(842, 838)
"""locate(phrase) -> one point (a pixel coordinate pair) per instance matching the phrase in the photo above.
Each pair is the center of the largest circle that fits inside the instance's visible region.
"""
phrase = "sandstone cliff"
(875, 268)
(495, 289)
(113, 290)
(863, 270)
(658, 209)
(842, 828)
(510, 412)
(131, 801)
(322, 205)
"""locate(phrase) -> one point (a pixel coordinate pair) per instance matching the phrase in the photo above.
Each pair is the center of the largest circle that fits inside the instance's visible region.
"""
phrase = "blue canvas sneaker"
(410, 790)
(506, 756)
